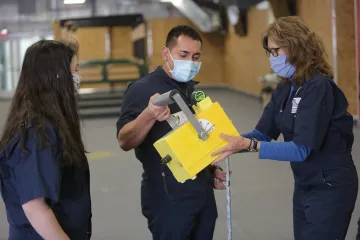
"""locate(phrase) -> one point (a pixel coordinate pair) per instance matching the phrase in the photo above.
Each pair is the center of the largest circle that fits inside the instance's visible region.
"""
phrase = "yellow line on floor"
(98, 155)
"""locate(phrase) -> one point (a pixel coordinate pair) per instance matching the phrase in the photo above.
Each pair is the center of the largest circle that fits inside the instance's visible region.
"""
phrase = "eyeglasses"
(272, 51)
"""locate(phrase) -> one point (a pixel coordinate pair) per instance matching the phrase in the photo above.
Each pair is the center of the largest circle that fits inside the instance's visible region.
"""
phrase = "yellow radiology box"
(187, 149)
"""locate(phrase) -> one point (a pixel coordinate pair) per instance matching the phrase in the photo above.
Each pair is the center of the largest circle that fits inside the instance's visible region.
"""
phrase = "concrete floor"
(261, 190)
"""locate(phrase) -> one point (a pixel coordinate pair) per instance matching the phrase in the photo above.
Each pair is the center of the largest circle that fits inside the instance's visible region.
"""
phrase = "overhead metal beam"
(220, 10)
(131, 20)
(241, 28)
(241, 10)
(195, 14)
(93, 7)
(283, 8)
(26, 7)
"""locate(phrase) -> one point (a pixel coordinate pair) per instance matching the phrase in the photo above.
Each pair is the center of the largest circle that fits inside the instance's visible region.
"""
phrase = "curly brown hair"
(305, 49)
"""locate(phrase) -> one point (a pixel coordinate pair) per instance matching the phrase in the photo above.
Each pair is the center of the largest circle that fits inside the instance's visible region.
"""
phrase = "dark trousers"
(179, 211)
(323, 211)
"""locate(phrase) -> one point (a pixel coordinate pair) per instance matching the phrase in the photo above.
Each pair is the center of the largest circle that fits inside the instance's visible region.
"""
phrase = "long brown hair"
(305, 49)
(45, 94)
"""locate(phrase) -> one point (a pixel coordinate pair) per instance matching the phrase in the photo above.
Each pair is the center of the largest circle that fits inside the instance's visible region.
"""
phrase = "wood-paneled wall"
(234, 60)
(318, 15)
(99, 43)
(121, 42)
(92, 43)
(346, 52)
(245, 59)
(57, 30)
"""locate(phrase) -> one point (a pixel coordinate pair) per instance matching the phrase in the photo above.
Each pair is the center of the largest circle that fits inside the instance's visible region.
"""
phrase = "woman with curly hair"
(310, 111)
(44, 172)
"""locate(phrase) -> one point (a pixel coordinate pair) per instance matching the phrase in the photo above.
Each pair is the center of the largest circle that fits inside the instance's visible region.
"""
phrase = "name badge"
(295, 104)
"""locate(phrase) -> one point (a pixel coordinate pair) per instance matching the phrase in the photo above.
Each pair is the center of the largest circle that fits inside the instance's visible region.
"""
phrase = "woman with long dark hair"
(310, 111)
(44, 172)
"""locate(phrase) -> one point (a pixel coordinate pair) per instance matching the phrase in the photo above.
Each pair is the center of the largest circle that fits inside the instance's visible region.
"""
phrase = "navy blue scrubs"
(38, 173)
(326, 183)
(175, 211)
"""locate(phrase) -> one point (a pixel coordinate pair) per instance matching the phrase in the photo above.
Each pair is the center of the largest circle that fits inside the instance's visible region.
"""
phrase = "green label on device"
(199, 95)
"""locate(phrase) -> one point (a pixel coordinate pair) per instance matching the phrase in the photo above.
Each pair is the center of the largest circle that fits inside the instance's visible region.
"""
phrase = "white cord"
(228, 199)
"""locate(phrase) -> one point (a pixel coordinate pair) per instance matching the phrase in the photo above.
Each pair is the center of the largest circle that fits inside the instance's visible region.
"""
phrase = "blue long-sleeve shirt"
(282, 151)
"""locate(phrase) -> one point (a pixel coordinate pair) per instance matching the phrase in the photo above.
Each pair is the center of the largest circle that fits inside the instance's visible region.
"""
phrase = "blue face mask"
(281, 67)
(184, 70)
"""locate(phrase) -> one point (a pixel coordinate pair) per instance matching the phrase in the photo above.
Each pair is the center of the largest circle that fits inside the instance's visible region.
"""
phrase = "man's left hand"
(219, 178)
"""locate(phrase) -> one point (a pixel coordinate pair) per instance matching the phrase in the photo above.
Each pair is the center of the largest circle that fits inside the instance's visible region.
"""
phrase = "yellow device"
(187, 149)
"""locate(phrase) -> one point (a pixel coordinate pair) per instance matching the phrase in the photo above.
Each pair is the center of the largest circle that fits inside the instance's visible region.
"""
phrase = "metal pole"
(334, 39)
(356, 9)
(228, 199)
(93, 8)
(53, 9)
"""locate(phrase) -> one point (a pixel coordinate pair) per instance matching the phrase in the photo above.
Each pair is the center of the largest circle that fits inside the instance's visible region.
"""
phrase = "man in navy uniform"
(175, 211)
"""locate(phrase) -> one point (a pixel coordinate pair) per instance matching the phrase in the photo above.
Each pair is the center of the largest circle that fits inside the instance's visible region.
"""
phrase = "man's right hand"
(160, 113)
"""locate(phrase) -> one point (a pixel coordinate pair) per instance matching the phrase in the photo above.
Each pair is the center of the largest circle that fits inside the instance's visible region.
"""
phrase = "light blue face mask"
(281, 67)
(76, 80)
(184, 70)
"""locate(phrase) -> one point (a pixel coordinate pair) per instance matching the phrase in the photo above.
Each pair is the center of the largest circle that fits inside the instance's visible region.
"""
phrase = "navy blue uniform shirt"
(318, 120)
(173, 210)
(38, 173)
(136, 99)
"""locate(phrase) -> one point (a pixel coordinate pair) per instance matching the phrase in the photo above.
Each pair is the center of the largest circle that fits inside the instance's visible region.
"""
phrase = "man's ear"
(164, 53)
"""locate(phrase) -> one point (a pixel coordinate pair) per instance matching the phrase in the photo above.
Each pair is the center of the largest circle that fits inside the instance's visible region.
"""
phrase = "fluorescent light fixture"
(74, 1)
